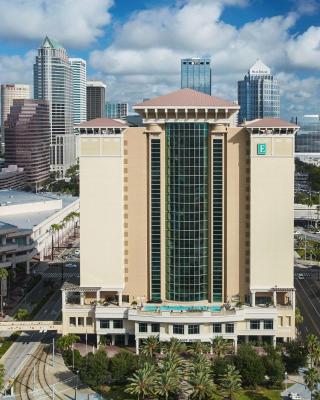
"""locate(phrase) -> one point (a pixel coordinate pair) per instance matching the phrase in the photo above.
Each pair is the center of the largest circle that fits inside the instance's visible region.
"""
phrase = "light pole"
(72, 357)
(76, 387)
(286, 379)
(34, 376)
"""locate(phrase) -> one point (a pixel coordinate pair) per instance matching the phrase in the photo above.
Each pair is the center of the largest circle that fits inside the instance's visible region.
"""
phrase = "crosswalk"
(74, 274)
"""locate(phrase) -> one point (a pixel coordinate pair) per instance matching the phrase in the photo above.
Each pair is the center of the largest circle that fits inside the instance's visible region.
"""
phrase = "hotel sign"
(261, 149)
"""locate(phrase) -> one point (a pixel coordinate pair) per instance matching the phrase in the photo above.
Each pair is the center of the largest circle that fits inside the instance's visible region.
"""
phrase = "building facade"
(96, 99)
(12, 177)
(184, 240)
(53, 82)
(79, 85)
(9, 92)
(196, 74)
(258, 94)
(27, 140)
(308, 139)
(116, 110)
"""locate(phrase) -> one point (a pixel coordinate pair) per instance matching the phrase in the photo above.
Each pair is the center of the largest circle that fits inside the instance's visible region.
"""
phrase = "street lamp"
(76, 387)
(286, 379)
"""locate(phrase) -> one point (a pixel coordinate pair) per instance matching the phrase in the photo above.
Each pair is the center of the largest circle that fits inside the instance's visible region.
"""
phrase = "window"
(89, 321)
(216, 328)
(229, 328)
(104, 323)
(155, 327)
(117, 324)
(268, 324)
(143, 327)
(288, 321)
(193, 329)
(255, 324)
(80, 321)
(178, 329)
(280, 322)
(72, 321)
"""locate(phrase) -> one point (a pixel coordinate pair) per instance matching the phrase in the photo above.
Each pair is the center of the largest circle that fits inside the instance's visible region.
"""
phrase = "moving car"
(69, 265)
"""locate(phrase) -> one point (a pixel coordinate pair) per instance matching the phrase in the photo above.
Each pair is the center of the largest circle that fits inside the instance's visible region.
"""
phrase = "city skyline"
(232, 33)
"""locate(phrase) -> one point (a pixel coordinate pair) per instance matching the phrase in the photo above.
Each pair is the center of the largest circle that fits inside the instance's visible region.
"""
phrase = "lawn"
(259, 394)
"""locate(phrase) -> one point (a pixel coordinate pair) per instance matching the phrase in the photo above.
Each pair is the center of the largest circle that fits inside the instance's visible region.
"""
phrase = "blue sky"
(135, 46)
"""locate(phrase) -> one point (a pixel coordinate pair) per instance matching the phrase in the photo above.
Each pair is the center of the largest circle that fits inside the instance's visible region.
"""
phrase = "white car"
(71, 265)
(77, 253)
(294, 396)
(297, 232)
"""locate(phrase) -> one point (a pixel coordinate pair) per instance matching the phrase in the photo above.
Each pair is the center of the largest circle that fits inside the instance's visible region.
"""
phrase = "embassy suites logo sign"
(261, 149)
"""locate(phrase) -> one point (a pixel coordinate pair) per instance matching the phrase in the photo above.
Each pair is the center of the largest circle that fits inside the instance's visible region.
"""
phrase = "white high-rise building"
(53, 82)
(79, 84)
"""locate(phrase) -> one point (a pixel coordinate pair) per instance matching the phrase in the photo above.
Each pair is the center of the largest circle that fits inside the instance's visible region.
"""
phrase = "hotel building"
(186, 226)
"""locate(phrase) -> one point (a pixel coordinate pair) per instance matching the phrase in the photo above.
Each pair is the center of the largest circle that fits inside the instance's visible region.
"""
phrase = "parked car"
(77, 253)
(297, 232)
(294, 396)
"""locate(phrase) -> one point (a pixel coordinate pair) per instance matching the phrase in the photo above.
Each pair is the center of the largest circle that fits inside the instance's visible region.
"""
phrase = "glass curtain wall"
(187, 211)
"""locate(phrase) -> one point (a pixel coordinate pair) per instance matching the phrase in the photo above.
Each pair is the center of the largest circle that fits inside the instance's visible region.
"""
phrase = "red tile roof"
(102, 123)
(269, 123)
(186, 98)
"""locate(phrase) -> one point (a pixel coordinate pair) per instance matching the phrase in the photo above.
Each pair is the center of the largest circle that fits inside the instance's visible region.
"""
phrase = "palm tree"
(150, 346)
(3, 274)
(220, 346)
(172, 362)
(57, 228)
(167, 383)
(201, 385)
(199, 348)
(200, 362)
(312, 345)
(231, 381)
(66, 342)
(298, 316)
(143, 381)
(312, 379)
(174, 346)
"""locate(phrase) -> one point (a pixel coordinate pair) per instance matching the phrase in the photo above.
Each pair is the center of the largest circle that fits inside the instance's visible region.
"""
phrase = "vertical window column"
(217, 219)
(155, 221)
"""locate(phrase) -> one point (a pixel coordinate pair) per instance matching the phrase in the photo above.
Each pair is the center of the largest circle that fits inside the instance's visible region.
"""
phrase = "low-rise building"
(25, 225)
(12, 177)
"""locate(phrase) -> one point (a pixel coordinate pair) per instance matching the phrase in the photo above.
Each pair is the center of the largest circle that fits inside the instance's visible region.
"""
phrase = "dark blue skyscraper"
(258, 94)
(196, 74)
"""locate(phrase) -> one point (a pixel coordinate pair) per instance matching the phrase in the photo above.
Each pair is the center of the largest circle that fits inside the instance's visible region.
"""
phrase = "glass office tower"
(258, 94)
(52, 78)
(196, 74)
(308, 138)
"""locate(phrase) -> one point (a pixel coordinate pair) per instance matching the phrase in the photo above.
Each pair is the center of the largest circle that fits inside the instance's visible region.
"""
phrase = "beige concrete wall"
(136, 213)
(236, 214)
(272, 215)
(101, 231)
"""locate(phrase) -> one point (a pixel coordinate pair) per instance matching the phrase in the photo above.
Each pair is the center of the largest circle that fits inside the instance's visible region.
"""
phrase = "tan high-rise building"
(186, 226)
(10, 92)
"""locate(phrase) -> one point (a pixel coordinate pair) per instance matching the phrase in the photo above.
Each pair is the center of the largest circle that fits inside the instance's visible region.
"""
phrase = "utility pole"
(34, 376)
(53, 351)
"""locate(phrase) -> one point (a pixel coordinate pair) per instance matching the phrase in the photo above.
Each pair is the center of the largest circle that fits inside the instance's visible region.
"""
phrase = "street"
(27, 343)
(307, 286)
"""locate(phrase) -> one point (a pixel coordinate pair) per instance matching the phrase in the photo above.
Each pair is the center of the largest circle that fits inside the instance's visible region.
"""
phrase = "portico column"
(98, 295)
(253, 298)
(120, 298)
(28, 268)
(137, 346)
(235, 344)
(126, 340)
(81, 298)
(274, 341)
(274, 298)
(293, 299)
(63, 298)
(113, 340)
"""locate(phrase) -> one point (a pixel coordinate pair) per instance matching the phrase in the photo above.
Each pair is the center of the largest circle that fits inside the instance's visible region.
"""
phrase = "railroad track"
(24, 382)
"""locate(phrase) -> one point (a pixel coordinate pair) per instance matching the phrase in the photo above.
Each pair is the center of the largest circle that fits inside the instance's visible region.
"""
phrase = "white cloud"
(76, 23)
(17, 69)
(144, 57)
